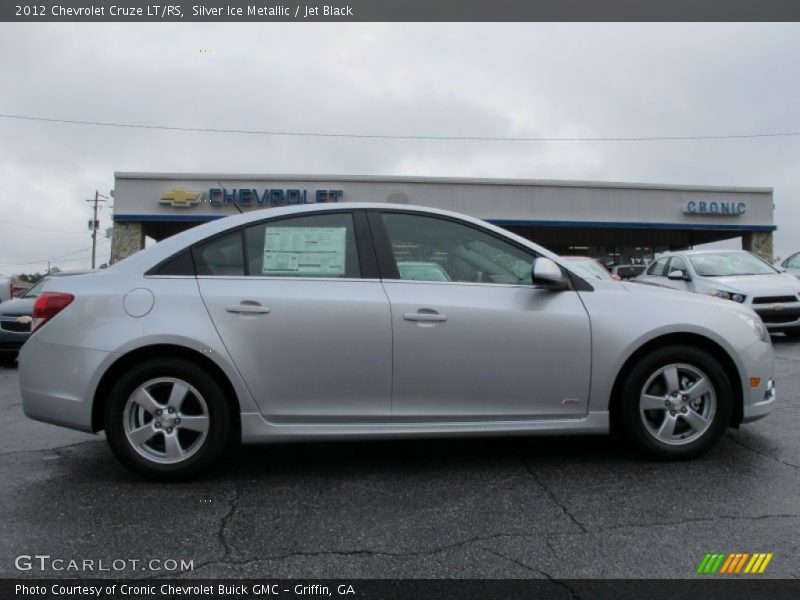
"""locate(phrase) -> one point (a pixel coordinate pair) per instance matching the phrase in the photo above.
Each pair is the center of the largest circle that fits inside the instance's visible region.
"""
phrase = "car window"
(220, 256)
(659, 267)
(442, 250)
(724, 264)
(793, 262)
(591, 268)
(307, 246)
(678, 264)
(35, 290)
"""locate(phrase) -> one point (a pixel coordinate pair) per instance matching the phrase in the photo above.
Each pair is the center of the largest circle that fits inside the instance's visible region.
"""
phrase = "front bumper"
(760, 409)
(758, 364)
(11, 341)
(58, 382)
(787, 316)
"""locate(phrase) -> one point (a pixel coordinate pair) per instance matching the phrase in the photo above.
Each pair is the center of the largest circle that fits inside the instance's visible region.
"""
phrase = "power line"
(663, 138)
(39, 228)
(44, 260)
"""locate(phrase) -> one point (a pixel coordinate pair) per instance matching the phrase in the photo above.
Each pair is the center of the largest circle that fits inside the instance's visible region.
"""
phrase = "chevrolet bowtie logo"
(180, 197)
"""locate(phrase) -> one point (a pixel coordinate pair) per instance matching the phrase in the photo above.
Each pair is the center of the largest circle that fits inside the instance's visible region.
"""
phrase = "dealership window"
(432, 249)
(307, 246)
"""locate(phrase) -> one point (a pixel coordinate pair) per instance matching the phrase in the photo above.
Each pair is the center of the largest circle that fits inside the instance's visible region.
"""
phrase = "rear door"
(300, 308)
(473, 339)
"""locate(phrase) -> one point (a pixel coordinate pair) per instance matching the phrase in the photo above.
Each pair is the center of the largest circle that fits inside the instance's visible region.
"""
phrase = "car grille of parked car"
(774, 299)
(15, 326)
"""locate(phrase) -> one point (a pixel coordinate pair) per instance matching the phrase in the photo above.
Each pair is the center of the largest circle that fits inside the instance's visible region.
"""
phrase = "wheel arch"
(690, 339)
(137, 355)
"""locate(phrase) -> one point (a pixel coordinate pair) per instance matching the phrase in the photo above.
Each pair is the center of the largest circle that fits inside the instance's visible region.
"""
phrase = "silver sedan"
(733, 275)
(307, 323)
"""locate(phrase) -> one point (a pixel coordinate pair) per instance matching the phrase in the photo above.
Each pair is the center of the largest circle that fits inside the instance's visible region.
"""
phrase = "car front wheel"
(167, 419)
(676, 403)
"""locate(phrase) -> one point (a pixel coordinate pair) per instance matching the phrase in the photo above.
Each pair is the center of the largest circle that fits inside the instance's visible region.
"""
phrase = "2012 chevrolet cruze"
(376, 320)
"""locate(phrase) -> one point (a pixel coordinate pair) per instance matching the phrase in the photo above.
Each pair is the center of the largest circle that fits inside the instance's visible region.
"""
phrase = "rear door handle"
(251, 309)
(425, 317)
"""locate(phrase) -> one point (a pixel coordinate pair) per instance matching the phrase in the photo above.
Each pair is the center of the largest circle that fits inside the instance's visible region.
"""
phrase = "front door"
(473, 339)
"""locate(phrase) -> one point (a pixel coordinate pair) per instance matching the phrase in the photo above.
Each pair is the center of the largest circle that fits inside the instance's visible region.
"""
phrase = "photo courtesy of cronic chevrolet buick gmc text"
(733, 275)
(318, 322)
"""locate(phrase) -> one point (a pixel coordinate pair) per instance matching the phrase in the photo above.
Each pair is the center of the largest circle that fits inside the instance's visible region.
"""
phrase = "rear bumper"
(58, 382)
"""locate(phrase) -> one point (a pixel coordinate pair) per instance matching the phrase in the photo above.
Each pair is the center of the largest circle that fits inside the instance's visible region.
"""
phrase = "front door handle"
(425, 317)
(250, 309)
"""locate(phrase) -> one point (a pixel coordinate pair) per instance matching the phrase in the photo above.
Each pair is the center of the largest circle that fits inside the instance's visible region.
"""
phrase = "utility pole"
(98, 197)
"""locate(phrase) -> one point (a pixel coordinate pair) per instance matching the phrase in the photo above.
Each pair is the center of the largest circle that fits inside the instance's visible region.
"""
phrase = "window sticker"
(304, 251)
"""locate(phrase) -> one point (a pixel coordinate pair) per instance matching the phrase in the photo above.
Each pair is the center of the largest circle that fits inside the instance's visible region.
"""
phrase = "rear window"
(221, 256)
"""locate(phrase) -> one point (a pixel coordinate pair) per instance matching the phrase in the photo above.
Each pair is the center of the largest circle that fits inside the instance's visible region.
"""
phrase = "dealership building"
(618, 223)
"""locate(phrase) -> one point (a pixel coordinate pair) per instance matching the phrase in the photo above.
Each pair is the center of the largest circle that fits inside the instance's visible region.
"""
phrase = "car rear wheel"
(167, 420)
(676, 403)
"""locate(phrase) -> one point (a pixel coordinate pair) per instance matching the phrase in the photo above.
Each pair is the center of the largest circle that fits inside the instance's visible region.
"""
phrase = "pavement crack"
(223, 524)
(551, 495)
(562, 584)
(55, 449)
(738, 442)
(361, 552)
(515, 561)
(693, 520)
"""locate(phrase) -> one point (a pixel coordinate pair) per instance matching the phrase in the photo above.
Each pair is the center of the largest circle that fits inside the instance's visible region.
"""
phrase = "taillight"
(48, 305)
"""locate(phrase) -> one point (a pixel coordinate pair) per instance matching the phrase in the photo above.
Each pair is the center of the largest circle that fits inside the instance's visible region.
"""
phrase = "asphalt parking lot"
(497, 508)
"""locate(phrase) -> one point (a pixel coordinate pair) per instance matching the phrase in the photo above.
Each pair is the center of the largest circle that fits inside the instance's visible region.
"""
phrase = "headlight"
(726, 295)
(758, 327)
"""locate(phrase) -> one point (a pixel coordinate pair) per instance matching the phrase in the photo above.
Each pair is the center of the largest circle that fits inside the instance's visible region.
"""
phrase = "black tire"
(633, 424)
(205, 452)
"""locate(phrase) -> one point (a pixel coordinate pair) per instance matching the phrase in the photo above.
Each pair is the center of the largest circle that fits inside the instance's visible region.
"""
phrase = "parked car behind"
(627, 272)
(16, 317)
(734, 275)
(591, 267)
(297, 323)
(792, 264)
(6, 288)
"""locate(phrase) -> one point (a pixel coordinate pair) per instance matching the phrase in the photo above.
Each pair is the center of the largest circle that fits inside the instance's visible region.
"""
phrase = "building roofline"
(441, 180)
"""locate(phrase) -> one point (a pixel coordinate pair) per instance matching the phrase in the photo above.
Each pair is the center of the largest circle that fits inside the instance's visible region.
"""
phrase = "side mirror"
(679, 275)
(547, 275)
(781, 268)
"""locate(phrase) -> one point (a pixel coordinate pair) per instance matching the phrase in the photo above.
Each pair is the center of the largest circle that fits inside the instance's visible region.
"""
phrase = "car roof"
(152, 256)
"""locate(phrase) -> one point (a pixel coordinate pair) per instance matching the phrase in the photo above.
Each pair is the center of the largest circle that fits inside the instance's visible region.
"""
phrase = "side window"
(793, 262)
(307, 246)
(431, 249)
(220, 256)
(678, 264)
(659, 267)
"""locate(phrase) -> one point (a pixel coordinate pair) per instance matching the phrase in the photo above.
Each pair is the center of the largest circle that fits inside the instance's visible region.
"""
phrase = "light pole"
(98, 197)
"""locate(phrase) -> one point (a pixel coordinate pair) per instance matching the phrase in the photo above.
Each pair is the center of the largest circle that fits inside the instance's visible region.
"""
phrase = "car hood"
(17, 307)
(780, 283)
(686, 297)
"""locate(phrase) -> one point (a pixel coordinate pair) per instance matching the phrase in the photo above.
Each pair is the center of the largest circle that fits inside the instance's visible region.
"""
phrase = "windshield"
(725, 264)
(592, 268)
(35, 290)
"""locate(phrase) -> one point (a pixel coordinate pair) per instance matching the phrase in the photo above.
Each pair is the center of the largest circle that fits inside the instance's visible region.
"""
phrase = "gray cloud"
(452, 79)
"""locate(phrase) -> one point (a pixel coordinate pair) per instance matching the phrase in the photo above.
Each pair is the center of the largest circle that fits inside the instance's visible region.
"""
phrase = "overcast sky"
(522, 80)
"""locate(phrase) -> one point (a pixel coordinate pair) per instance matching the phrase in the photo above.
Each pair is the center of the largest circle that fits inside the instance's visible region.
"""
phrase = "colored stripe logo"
(734, 563)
